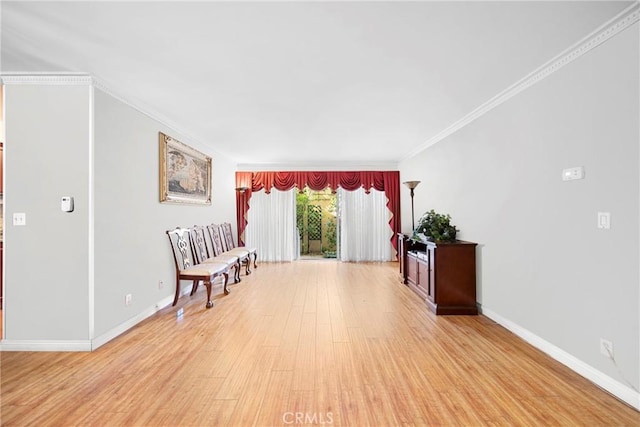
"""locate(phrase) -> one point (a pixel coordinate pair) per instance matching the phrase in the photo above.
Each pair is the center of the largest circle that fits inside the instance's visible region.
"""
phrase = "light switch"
(573, 173)
(66, 204)
(604, 220)
(19, 218)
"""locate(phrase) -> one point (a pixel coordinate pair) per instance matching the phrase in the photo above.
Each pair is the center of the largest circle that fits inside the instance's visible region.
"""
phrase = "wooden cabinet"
(403, 247)
(444, 274)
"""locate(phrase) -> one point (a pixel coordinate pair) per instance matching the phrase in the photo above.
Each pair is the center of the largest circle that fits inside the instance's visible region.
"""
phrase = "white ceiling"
(299, 83)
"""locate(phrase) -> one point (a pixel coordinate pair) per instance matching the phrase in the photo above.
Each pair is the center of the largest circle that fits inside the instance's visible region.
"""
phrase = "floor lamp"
(411, 185)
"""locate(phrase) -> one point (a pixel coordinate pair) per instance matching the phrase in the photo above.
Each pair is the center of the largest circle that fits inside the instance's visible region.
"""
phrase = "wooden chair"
(219, 250)
(205, 255)
(187, 269)
(231, 245)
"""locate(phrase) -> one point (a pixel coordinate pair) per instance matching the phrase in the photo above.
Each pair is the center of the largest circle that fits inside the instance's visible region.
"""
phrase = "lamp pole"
(412, 185)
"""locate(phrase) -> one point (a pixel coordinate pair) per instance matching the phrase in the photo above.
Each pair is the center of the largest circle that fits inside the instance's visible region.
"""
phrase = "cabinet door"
(412, 269)
(431, 286)
(423, 276)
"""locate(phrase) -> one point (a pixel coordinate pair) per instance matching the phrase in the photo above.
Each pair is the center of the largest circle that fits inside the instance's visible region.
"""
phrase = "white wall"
(544, 267)
(132, 251)
(46, 157)
(67, 274)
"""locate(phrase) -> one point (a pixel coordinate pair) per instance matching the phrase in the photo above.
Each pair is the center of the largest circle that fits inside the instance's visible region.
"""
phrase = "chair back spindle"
(228, 235)
(181, 247)
(199, 244)
(216, 241)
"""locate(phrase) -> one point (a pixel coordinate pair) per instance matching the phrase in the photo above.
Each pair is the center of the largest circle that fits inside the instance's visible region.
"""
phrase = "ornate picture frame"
(185, 173)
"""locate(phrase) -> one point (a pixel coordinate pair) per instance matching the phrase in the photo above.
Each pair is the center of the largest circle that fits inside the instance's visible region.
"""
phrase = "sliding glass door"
(283, 225)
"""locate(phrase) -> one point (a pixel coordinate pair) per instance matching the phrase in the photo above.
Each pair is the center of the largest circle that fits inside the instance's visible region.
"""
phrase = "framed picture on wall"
(185, 173)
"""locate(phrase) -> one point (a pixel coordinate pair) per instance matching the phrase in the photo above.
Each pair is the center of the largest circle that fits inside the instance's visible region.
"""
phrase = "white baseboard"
(45, 345)
(85, 345)
(616, 388)
(90, 345)
(123, 327)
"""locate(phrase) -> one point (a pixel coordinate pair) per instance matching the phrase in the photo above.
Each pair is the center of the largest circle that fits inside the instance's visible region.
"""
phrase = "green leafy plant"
(302, 200)
(330, 251)
(435, 227)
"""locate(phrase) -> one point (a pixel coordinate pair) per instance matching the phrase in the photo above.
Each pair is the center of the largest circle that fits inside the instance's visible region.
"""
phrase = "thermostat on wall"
(66, 204)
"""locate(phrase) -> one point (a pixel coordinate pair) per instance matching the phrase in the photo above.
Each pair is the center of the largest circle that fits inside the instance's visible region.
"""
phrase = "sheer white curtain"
(271, 227)
(364, 226)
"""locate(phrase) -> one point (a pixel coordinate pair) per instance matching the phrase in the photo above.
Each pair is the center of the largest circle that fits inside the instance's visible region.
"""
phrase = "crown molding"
(611, 28)
(46, 79)
(80, 79)
(169, 124)
(311, 166)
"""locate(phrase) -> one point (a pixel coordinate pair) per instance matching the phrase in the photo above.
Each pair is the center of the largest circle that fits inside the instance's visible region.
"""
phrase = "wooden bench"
(218, 246)
(187, 267)
(205, 254)
(230, 245)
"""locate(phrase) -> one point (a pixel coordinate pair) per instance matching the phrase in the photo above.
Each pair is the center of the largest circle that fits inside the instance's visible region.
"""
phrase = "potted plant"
(435, 227)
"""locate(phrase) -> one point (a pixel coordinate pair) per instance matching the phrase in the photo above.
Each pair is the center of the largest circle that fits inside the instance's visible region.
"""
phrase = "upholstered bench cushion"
(239, 252)
(226, 258)
(207, 269)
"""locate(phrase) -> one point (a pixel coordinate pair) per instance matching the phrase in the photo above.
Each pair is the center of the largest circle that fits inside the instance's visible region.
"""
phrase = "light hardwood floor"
(309, 342)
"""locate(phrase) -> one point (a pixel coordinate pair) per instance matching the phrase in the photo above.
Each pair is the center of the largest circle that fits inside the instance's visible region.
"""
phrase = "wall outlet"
(604, 220)
(160, 284)
(606, 348)
(127, 299)
(19, 218)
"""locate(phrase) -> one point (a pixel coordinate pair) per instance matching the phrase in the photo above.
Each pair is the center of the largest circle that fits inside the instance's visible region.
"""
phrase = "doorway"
(317, 223)
(1, 209)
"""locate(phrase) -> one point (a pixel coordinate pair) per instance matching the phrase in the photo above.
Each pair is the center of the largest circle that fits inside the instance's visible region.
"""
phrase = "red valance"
(387, 181)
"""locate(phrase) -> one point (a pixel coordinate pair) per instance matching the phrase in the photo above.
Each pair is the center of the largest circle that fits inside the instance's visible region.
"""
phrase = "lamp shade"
(411, 184)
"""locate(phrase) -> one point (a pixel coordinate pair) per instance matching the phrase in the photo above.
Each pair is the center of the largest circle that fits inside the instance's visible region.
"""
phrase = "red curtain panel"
(387, 181)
